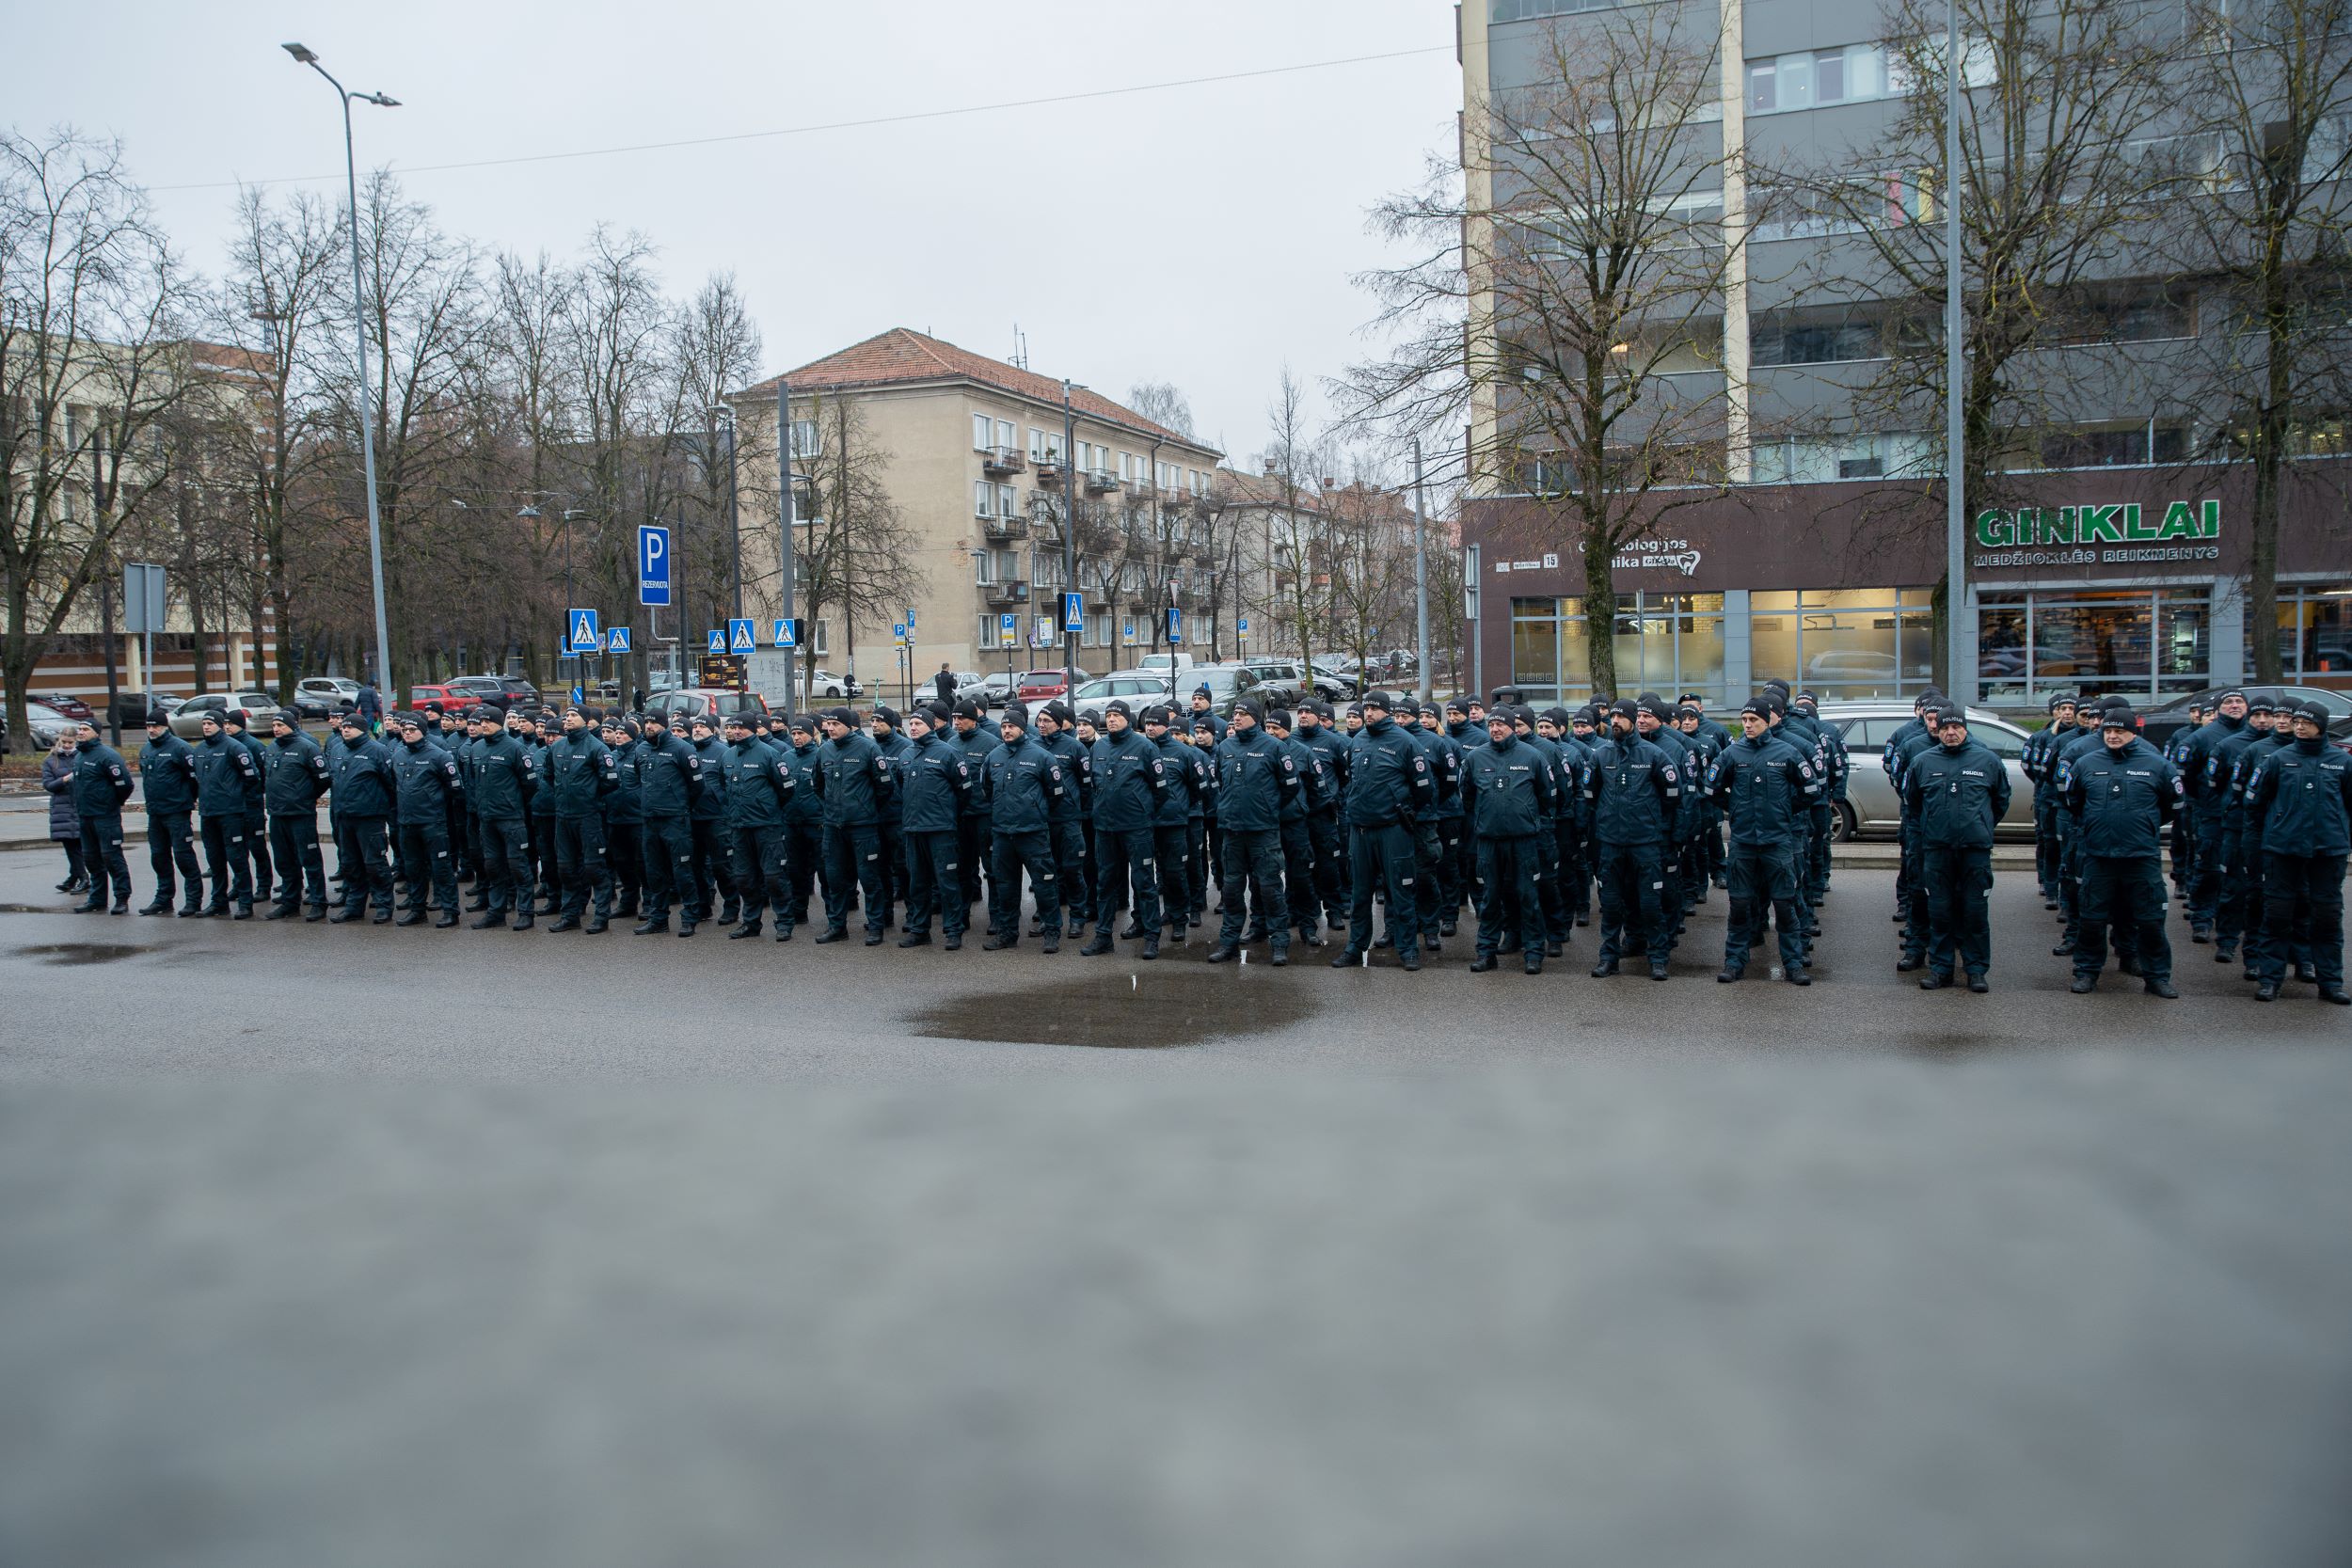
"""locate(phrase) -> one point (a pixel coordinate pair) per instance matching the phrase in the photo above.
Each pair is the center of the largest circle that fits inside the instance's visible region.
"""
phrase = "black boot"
(567, 923)
(1095, 949)
(449, 918)
(651, 925)
(495, 920)
(1224, 952)
(1151, 950)
(749, 928)
(1534, 964)
(1483, 964)
(414, 917)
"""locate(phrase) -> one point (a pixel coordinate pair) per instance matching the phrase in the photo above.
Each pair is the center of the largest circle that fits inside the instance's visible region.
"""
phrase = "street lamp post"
(1069, 536)
(726, 416)
(360, 325)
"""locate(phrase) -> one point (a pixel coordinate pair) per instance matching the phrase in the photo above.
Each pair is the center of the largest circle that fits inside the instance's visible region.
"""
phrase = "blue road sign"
(653, 564)
(786, 634)
(1175, 627)
(1008, 627)
(585, 638)
(617, 640)
(1073, 612)
(739, 640)
(899, 633)
(1245, 625)
(718, 642)
(578, 695)
(909, 617)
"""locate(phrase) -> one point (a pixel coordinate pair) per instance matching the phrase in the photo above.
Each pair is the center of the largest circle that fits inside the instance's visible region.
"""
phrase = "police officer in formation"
(1385, 821)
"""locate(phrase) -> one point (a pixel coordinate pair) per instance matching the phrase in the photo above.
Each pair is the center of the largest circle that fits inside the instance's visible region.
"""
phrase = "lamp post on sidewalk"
(359, 326)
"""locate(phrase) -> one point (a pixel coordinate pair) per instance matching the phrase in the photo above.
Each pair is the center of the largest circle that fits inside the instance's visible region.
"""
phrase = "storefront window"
(1668, 642)
(2143, 643)
(1844, 643)
(2314, 635)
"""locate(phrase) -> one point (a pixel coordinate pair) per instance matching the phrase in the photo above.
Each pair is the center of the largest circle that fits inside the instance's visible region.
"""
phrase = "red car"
(1043, 685)
(73, 707)
(450, 698)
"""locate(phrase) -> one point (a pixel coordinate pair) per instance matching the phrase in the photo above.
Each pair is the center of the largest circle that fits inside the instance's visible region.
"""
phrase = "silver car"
(187, 720)
(1870, 809)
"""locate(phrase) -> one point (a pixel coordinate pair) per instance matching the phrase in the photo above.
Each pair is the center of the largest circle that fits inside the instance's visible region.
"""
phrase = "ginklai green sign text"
(2124, 523)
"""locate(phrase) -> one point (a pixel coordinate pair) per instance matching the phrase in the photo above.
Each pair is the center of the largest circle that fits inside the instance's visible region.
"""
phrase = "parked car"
(325, 696)
(2158, 725)
(1227, 682)
(451, 696)
(187, 720)
(824, 683)
(1281, 682)
(1043, 685)
(1870, 809)
(993, 691)
(44, 724)
(72, 707)
(685, 704)
(1338, 677)
(1136, 687)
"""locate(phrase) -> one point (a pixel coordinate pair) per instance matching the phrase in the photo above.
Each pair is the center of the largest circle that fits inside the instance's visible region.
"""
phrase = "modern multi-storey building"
(986, 472)
(2119, 560)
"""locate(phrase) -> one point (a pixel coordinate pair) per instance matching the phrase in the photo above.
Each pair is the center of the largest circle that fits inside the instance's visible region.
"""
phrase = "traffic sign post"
(739, 640)
(1073, 612)
(718, 641)
(1175, 627)
(585, 638)
(785, 633)
(617, 640)
(653, 564)
(1007, 629)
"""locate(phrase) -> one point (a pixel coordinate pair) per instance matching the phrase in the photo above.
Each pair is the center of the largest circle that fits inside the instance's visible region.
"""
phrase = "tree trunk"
(2269, 463)
(1601, 618)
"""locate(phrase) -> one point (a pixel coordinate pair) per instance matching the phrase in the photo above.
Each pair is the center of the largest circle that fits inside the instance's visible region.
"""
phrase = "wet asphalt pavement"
(414, 1247)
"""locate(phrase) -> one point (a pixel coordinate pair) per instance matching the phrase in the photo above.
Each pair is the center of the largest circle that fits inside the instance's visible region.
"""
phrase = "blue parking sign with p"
(653, 565)
(586, 637)
(1008, 628)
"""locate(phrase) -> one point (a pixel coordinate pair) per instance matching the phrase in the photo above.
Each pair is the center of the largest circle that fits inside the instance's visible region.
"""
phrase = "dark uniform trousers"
(625, 851)
(2303, 901)
(1426, 857)
(854, 860)
(1254, 855)
(1912, 888)
(545, 879)
(1298, 873)
(580, 853)
(477, 858)
(257, 848)
(1462, 874)
(1449, 883)
(1196, 877)
(169, 844)
(503, 873)
(1510, 894)
(2045, 840)
(1172, 846)
(1074, 868)
(1382, 859)
(2204, 888)
(2184, 854)
(1567, 893)
(759, 874)
(894, 869)
(1121, 856)
(669, 859)
(1817, 875)
(1762, 881)
(2120, 890)
(1009, 853)
(226, 857)
(1956, 880)
(935, 883)
(425, 847)
(1331, 884)
(804, 864)
(712, 878)
(359, 850)
(1633, 913)
(971, 851)
(2240, 913)
(102, 852)
(295, 837)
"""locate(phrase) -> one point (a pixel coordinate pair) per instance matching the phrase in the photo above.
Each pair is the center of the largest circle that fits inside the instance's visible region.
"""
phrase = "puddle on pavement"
(1145, 1010)
(76, 954)
(35, 909)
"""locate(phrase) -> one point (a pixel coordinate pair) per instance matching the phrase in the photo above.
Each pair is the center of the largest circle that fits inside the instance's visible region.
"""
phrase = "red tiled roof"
(900, 356)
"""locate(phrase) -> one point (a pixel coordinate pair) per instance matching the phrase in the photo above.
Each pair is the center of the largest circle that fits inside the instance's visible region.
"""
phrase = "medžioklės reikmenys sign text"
(2120, 534)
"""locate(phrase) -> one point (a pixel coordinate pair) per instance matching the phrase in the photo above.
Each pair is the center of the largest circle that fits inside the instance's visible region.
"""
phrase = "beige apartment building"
(975, 454)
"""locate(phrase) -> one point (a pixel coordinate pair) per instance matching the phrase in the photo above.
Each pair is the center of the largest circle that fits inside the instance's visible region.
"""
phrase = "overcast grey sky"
(1203, 234)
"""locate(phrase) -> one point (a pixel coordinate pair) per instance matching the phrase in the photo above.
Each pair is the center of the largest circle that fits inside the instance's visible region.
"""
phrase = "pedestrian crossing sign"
(785, 635)
(617, 640)
(718, 641)
(585, 639)
(739, 637)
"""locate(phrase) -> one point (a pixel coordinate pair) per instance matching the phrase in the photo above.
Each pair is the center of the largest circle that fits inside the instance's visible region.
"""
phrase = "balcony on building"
(1049, 471)
(997, 461)
(1011, 593)
(1011, 525)
(1102, 482)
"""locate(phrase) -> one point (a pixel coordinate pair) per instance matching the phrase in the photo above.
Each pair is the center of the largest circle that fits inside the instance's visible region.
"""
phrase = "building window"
(983, 433)
(1843, 643)
(1044, 445)
(1007, 436)
(2141, 643)
(1008, 501)
(1523, 10)
(2314, 635)
(1782, 340)
(2135, 445)
(1818, 460)
(1666, 642)
(983, 499)
(1818, 78)
(806, 442)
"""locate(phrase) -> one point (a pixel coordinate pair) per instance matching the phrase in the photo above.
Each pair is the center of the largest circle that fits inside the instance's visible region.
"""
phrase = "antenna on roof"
(1020, 348)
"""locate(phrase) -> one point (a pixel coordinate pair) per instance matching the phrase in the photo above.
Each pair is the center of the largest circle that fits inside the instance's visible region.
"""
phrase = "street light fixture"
(303, 55)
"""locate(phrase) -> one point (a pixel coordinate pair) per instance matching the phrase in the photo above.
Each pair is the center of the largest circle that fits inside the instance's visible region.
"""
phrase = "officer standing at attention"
(366, 793)
(1955, 789)
(222, 768)
(856, 781)
(1172, 818)
(582, 773)
(759, 794)
(2039, 761)
(295, 778)
(1024, 780)
(1298, 865)
(712, 878)
(1637, 796)
(2238, 913)
(168, 774)
(256, 802)
(2205, 794)
(1509, 790)
(2119, 798)
(1255, 775)
(669, 787)
(1766, 789)
(499, 800)
(2302, 794)
(1388, 784)
(625, 818)
(1068, 825)
(425, 776)
(1131, 780)
(932, 783)
(101, 781)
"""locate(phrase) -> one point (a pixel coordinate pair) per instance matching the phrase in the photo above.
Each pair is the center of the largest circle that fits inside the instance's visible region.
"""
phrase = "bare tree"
(1299, 549)
(1582, 236)
(1164, 404)
(858, 555)
(716, 348)
(90, 364)
(2266, 225)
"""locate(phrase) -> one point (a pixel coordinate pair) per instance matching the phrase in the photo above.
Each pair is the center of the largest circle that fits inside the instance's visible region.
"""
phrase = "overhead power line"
(867, 122)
